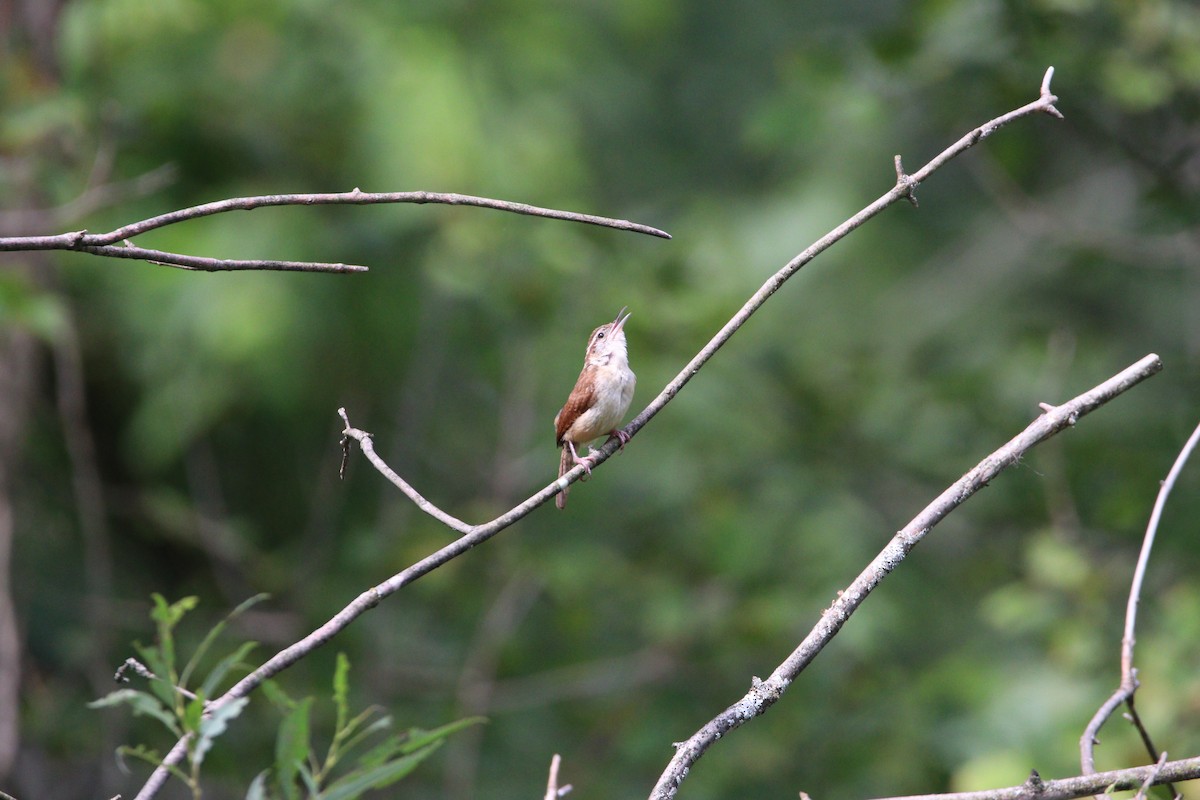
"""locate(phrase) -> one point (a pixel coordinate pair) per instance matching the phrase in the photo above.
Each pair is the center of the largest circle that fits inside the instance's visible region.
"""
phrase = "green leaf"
(277, 695)
(214, 632)
(381, 724)
(223, 667)
(214, 725)
(167, 616)
(357, 782)
(142, 703)
(151, 757)
(383, 752)
(192, 713)
(163, 688)
(292, 746)
(341, 688)
(310, 782)
(419, 738)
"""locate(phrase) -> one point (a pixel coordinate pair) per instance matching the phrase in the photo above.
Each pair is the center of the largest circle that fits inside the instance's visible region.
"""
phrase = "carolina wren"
(599, 400)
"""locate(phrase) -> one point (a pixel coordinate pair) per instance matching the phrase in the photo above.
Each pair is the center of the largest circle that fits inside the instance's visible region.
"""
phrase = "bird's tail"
(565, 463)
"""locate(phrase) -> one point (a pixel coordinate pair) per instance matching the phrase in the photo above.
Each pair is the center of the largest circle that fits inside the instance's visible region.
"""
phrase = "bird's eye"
(600, 335)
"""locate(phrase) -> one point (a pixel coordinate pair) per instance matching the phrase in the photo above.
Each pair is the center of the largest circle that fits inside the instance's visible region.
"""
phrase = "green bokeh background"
(1038, 264)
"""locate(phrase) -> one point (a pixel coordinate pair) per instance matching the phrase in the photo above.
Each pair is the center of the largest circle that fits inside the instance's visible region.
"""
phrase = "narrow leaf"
(381, 724)
(214, 632)
(153, 658)
(192, 713)
(216, 724)
(419, 738)
(142, 703)
(292, 745)
(223, 667)
(278, 696)
(380, 777)
(151, 757)
(341, 688)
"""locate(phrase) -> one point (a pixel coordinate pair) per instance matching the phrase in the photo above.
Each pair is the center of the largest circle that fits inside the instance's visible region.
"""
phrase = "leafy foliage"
(169, 700)
(297, 772)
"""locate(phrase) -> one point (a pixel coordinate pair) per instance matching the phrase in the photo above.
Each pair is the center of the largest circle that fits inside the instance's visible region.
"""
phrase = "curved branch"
(106, 244)
(1129, 683)
(764, 694)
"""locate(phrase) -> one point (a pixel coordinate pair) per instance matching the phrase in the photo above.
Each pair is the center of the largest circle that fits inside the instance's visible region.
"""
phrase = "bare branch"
(1065, 788)
(106, 244)
(1129, 683)
(553, 790)
(364, 442)
(1139, 574)
(764, 694)
(132, 664)
(203, 264)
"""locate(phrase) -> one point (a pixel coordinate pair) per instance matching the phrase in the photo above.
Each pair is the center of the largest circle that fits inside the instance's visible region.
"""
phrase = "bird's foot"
(620, 435)
(585, 461)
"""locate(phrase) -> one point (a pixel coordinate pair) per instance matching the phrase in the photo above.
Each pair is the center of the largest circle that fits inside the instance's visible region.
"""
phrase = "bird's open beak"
(622, 315)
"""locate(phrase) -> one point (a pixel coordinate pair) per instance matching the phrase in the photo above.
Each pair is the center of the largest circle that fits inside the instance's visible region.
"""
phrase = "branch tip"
(1046, 81)
(553, 790)
(1046, 95)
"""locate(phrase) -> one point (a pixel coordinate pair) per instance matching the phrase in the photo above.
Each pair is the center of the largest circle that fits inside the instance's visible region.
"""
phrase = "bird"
(598, 402)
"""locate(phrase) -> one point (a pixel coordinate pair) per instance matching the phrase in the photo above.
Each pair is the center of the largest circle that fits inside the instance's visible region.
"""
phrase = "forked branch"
(1129, 682)
(117, 244)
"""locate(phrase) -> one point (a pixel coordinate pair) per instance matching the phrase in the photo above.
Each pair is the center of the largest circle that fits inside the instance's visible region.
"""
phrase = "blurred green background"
(175, 432)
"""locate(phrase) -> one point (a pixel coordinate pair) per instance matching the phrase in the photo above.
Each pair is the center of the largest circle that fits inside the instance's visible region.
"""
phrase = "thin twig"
(1037, 788)
(553, 790)
(764, 694)
(133, 665)
(365, 443)
(1129, 682)
(107, 244)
